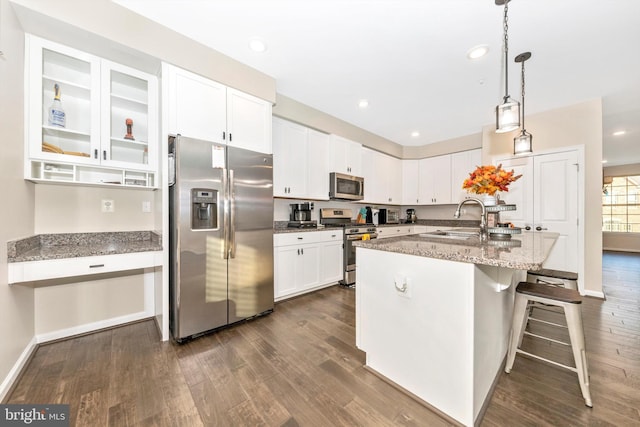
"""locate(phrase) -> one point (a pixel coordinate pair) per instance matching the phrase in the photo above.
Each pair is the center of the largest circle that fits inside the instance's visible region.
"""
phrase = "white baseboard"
(89, 327)
(597, 294)
(17, 368)
(621, 249)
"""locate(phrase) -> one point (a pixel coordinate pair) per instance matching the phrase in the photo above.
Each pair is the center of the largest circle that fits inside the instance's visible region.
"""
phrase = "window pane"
(621, 205)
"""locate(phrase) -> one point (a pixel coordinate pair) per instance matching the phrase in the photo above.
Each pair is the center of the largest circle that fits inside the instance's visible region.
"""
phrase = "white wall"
(16, 211)
(575, 125)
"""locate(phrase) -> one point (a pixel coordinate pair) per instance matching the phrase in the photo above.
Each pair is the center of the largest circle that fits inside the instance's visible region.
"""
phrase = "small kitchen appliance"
(300, 215)
(352, 233)
(389, 216)
(345, 187)
(411, 216)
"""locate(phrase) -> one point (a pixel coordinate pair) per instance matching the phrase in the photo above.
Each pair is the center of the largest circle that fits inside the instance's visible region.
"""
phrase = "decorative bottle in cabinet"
(57, 116)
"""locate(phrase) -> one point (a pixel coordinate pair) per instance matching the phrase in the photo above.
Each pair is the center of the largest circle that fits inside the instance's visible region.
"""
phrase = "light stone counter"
(526, 251)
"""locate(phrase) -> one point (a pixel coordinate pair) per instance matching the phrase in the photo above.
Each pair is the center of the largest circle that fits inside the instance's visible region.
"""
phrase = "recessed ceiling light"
(620, 132)
(415, 134)
(478, 51)
(363, 103)
(257, 45)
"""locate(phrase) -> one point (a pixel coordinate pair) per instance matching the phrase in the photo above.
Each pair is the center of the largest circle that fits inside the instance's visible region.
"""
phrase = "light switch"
(146, 206)
(108, 206)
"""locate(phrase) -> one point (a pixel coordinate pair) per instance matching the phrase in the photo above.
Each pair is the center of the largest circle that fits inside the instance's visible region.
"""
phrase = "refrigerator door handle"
(232, 215)
(225, 233)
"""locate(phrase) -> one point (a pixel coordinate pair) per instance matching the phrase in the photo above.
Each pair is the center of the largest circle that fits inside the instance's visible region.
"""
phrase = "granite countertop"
(526, 251)
(281, 226)
(75, 245)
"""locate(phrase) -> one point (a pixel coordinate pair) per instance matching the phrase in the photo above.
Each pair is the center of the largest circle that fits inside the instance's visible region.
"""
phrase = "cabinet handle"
(333, 235)
(302, 251)
(300, 238)
(230, 137)
(224, 136)
(95, 153)
(104, 154)
(96, 266)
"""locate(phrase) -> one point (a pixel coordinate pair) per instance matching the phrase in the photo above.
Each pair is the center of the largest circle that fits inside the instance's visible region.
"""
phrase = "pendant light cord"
(522, 77)
(506, 50)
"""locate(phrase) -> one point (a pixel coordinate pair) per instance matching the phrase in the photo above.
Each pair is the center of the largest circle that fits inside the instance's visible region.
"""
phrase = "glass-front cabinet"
(90, 121)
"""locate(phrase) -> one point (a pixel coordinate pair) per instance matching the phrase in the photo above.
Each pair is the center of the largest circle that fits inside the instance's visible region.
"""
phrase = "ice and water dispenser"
(204, 212)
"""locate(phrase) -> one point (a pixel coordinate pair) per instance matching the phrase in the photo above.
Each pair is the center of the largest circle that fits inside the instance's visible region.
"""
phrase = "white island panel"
(445, 338)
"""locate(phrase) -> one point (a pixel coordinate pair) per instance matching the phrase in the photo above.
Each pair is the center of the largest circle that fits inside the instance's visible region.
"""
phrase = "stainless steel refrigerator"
(221, 235)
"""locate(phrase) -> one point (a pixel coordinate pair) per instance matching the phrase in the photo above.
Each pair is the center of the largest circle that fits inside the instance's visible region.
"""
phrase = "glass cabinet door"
(64, 83)
(129, 134)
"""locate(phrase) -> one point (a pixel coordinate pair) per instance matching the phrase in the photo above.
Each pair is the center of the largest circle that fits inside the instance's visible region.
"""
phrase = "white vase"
(488, 200)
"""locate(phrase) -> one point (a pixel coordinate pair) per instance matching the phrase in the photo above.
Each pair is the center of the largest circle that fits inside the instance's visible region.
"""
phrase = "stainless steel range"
(352, 233)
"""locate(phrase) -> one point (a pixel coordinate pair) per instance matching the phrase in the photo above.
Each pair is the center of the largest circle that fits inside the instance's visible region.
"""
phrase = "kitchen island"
(433, 313)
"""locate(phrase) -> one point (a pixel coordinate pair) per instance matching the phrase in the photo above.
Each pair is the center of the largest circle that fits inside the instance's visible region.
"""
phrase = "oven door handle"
(353, 237)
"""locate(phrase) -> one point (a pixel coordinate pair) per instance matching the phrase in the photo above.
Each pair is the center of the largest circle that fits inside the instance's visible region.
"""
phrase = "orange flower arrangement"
(489, 179)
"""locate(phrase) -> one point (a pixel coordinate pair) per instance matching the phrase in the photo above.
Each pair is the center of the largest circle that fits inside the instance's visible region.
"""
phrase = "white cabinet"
(394, 231)
(300, 161)
(346, 156)
(204, 109)
(109, 134)
(435, 180)
(306, 261)
(462, 164)
(410, 182)
(382, 176)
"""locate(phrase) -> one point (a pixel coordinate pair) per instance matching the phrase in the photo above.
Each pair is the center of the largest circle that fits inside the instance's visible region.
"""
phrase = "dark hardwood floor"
(299, 366)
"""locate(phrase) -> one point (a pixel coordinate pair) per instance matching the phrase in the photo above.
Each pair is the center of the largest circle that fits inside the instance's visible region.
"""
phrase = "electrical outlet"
(108, 206)
(146, 206)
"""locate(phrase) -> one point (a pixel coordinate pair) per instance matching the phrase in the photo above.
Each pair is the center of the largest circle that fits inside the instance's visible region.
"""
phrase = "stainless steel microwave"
(346, 187)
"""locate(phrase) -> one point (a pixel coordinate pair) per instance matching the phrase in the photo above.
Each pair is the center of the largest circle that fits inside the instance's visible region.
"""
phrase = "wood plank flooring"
(299, 367)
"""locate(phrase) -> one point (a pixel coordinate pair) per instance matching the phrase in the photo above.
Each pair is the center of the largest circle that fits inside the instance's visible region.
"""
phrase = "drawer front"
(70, 267)
(286, 239)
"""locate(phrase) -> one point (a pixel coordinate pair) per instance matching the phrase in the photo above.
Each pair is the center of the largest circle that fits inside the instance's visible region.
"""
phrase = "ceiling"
(408, 58)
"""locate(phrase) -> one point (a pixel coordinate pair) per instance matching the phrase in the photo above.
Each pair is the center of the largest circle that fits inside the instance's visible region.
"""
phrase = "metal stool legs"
(570, 302)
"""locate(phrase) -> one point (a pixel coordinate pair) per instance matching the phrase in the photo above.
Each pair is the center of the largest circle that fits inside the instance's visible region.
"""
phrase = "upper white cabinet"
(204, 109)
(410, 182)
(435, 180)
(104, 126)
(300, 161)
(462, 164)
(346, 156)
(382, 176)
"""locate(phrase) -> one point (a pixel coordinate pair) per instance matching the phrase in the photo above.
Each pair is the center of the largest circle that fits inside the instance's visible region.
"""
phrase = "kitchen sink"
(454, 234)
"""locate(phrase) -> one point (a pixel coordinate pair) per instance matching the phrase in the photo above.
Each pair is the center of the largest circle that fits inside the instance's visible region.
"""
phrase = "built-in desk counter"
(51, 256)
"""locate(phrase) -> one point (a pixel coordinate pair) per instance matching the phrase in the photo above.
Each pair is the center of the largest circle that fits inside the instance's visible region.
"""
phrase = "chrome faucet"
(483, 216)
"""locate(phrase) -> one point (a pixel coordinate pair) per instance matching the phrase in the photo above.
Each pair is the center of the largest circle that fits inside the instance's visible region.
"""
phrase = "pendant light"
(523, 143)
(507, 113)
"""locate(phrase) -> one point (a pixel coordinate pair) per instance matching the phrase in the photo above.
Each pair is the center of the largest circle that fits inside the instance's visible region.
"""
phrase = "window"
(621, 205)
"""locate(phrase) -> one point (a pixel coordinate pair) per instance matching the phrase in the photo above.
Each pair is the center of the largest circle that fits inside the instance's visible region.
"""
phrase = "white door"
(546, 198)
(248, 122)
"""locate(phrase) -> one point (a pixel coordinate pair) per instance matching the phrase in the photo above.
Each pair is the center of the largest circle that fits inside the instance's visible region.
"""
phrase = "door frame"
(580, 151)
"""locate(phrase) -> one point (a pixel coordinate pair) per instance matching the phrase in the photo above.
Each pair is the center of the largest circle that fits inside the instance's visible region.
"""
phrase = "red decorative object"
(129, 135)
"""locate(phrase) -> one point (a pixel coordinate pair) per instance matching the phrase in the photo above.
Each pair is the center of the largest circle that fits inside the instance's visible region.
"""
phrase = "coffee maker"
(411, 216)
(300, 215)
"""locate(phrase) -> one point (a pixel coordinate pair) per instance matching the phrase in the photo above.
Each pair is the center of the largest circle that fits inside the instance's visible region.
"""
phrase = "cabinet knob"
(528, 227)
(538, 228)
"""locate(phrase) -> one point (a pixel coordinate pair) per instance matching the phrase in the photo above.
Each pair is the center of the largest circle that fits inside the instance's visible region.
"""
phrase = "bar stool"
(569, 300)
(547, 276)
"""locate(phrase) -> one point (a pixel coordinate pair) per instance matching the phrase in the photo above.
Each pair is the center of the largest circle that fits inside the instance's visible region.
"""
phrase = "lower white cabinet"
(394, 231)
(306, 261)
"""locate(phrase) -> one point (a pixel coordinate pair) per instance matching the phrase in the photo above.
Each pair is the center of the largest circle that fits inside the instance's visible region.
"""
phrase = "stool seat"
(558, 274)
(570, 296)
(569, 300)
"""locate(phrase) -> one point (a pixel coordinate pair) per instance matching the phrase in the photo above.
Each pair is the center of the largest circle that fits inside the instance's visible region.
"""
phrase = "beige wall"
(579, 124)
(628, 242)
(290, 109)
(16, 212)
(463, 143)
